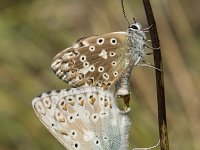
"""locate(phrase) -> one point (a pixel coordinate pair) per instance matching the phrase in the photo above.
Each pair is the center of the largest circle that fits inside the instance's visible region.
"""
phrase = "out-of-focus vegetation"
(33, 31)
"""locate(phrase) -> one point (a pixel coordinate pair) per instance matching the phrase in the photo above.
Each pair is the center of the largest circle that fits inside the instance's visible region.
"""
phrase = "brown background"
(33, 31)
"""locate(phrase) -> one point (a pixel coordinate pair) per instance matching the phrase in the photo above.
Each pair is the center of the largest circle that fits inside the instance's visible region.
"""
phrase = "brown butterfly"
(101, 60)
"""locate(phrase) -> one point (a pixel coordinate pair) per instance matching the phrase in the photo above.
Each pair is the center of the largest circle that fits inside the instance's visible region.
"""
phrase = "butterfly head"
(136, 26)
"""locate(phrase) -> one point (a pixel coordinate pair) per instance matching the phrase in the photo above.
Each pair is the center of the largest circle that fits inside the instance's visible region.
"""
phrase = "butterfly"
(101, 60)
(84, 118)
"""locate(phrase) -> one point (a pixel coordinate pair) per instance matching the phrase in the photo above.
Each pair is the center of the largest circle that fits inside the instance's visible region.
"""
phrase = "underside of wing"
(83, 118)
(95, 60)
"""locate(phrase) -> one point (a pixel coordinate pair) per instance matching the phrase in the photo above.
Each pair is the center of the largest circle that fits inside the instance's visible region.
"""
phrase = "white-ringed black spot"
(97, 142)
(113, 41)
(112, 54)
(76, 145)
(100, 41)
(115, 73)
(94, 117)
(92, 48)
(73, 133)
(71, 118)
(82, 58)
(86, 64)
(92, 68)
(77, 115)
(113, 63)
(101, 69)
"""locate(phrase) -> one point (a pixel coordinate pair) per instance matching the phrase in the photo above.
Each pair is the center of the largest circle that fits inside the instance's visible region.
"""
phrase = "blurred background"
(32, 32)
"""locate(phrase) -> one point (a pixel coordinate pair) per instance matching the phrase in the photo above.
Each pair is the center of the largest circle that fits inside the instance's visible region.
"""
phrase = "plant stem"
(164, 143)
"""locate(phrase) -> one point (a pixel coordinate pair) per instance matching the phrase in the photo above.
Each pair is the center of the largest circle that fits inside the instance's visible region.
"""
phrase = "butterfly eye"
(133, 27)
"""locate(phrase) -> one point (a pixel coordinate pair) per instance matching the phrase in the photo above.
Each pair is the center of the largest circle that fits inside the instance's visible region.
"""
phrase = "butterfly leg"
(148, 28)
(150, 53)
(148, 148)
(147, 40)
(145, 64)
(151, 47)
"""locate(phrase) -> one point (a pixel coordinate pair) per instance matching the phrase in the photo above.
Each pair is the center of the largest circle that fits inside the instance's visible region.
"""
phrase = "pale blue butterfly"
(85, 118)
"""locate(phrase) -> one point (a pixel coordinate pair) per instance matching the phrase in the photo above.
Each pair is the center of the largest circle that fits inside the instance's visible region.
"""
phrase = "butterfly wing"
(95, 60)
(83, 118)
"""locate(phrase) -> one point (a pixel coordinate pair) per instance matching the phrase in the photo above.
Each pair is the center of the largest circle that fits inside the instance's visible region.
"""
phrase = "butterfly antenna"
(123, 10)
(134, 20)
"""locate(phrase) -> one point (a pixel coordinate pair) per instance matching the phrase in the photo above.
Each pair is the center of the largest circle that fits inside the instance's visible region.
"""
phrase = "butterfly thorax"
(136, 42)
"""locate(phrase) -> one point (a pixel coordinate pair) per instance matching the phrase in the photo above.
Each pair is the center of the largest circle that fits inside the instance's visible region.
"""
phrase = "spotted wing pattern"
(95, 60)
(84, 118)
